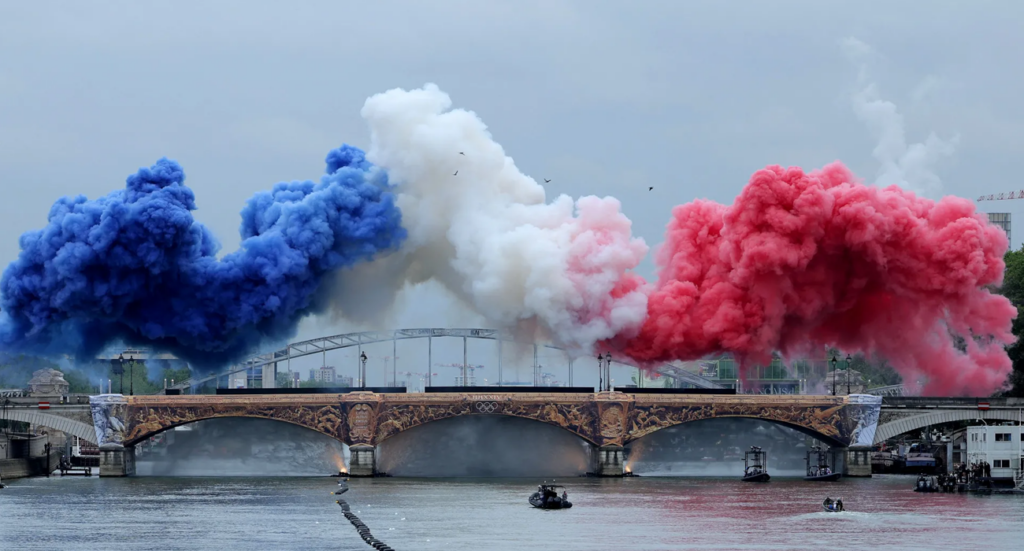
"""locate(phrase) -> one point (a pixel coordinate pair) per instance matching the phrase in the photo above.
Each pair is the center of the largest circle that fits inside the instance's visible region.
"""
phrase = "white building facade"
(998, 445)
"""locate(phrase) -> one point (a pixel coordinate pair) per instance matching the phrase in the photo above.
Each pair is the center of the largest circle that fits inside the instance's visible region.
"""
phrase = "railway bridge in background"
(268, 362)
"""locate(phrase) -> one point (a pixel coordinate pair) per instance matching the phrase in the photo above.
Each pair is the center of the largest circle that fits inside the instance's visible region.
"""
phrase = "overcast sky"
(604, 98)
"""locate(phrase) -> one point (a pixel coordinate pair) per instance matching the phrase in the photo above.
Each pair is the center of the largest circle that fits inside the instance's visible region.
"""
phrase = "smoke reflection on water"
(240, 447)
(715, 448)
(484, 446)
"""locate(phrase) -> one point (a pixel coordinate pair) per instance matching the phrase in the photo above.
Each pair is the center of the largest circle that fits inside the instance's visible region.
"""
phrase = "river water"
(645, 513)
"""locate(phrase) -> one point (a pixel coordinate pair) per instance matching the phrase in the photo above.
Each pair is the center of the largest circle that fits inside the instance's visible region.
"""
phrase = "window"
(1003, 437)
(1001, 464)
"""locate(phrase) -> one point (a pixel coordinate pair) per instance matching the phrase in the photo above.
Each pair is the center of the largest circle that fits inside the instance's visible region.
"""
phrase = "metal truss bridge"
(323, 345)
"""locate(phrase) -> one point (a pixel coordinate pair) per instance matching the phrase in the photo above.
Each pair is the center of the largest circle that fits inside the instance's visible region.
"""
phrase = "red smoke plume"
(804, 260)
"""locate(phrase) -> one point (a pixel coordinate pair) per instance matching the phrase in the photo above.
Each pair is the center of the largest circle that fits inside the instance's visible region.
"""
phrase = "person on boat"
(565, 496)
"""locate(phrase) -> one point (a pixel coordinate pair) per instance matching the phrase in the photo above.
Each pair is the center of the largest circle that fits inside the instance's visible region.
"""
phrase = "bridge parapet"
(950, 402)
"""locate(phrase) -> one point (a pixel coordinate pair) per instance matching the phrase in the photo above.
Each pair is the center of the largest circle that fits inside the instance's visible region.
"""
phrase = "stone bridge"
(73, 419)
(908, 414)
(608, 421)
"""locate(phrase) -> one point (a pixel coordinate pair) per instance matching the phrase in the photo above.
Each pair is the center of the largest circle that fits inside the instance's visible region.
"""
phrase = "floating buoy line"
(364, 530)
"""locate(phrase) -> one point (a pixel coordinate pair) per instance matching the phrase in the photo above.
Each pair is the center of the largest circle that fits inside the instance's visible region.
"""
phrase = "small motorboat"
(927, 484)
(546, 497)
(819, 466)
(755, 465)
(833, 505)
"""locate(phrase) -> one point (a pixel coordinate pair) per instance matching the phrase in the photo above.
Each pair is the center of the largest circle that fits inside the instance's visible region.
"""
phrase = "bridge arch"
(576, 419)
(832, 440)
(57, 422)
(831, 420)
(147, 422)
(911, 421)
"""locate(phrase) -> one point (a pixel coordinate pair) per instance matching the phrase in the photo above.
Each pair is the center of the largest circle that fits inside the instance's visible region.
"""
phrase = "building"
(48, 382)
(324, 374)
(1000, 446)
(775, 378)
(1001, 219)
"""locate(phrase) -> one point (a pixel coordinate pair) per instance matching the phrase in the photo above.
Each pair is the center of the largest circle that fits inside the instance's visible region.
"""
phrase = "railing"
(891, 390)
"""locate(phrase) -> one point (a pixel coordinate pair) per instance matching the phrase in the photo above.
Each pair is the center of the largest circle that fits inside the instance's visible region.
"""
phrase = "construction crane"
(421, 376)
(469, 370)
(1002, 196)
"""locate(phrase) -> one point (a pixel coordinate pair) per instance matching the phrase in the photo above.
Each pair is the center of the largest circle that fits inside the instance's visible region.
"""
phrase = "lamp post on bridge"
(362, 375)
(117, 366)
(131, 375)
(848, 360)
(835, 362)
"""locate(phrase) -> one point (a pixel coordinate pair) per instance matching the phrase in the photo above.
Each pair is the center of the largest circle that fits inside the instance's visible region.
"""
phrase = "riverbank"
(24, 467)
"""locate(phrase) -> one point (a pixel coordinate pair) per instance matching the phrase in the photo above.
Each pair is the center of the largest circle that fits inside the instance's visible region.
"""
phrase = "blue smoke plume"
(134, 266)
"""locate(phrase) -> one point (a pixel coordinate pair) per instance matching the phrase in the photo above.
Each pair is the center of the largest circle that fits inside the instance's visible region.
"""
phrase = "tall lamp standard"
(600, 373)
(131, 376)
(118, 368)
(608, 370)
(848, 360)
(362, 376)
(834, 363)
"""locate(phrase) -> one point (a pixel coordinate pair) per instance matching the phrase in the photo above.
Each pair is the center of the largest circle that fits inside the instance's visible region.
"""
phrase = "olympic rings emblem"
(486, 407)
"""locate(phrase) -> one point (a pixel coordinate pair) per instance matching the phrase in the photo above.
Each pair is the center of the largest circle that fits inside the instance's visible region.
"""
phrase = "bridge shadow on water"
(240, 447)
(715, 447)
(484, 446)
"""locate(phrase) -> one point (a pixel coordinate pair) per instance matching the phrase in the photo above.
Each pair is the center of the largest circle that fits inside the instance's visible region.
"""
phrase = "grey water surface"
(637, 514)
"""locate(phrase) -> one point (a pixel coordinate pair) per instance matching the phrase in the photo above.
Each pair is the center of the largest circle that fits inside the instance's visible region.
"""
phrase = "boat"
(546, 497)
(833, 506)
(927, 484)
(755, 465)
(819, 465)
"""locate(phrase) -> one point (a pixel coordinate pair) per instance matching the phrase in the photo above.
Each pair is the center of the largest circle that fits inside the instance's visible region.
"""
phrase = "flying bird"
(461, 153)
(456, 173)
(546, 180)
(650, 188)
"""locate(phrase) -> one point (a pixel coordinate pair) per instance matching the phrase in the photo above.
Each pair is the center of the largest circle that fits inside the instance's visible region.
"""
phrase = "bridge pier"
(608, 461)
(362, 460)
(856, 461)
(117, 461)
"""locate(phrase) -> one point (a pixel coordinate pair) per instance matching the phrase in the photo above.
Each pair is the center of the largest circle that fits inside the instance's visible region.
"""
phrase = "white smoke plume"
(480, 227)
(908, 166)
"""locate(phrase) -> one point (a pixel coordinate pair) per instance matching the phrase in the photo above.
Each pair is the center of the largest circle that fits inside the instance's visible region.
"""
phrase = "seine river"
(444, 514)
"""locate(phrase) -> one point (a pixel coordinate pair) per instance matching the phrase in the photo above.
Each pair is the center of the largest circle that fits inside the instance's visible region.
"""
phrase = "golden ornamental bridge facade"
(607, 421)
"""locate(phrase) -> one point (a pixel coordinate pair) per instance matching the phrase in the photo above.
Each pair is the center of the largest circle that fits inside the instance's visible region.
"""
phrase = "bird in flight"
(461, 153)
(456, 173)
(650, 188)
(546, 180)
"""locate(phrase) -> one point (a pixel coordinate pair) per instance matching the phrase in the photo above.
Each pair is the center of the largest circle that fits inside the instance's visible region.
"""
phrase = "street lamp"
(848, 360)
(600, 373)
(131, 376)
(608, 369)
(834, 363)
(118, 367)
(362, 376)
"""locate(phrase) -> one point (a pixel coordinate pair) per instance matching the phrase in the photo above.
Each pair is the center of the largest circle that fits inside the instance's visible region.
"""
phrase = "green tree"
(1013, 289)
